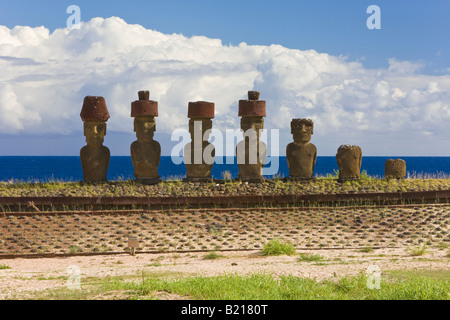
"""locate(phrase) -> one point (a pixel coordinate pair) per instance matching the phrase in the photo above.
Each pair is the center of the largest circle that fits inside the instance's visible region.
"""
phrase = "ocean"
(66, 168)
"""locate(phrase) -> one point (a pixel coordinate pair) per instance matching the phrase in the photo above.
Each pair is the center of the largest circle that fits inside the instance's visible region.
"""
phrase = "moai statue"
(199, 153)
(251, 152)
(94, 156)
(301, 155)
(145, 152)
(349, 160)
(395, 169)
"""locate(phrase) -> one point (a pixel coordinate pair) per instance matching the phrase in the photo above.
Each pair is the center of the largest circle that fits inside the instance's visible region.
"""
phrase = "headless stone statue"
(395, 169)
(301, 155)
(145, 152)
(94, 156)
(349, 160)
(251, 152)
(199, 153)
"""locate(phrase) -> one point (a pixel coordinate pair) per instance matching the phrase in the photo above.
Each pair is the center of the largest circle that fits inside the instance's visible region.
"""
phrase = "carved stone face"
(301, 130)
(206, 124)
(145, 127)
(254, 123)
(94, 132)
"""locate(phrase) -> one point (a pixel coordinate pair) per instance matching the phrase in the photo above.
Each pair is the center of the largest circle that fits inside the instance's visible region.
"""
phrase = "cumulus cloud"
(45, 77)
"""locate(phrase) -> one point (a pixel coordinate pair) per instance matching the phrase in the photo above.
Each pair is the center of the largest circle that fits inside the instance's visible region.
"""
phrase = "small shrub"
(212, 256)
(75, 249)
(418, 251)
(364, 175)
(275, 248)
(366, 249)
(2, 267)
(310, 257)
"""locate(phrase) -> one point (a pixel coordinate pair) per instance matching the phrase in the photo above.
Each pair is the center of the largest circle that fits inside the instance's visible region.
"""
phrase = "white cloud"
(45, 77)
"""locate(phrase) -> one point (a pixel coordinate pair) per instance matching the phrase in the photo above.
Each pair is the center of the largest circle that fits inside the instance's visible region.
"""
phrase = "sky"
(386, 90)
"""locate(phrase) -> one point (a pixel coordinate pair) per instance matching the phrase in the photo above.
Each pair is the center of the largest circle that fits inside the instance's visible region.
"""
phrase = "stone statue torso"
(146, 157)
(251, 166)
(194, 169)
(301, 159)
(95, 162)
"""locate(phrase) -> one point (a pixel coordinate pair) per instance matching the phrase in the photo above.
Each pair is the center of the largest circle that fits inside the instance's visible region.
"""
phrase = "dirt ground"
(25, 276)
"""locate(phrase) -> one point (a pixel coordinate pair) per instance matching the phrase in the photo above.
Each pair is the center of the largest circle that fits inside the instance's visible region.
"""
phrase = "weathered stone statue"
(199, 153)
(395, 169)
(94, 156)
(301, 155)
(251, 152)
(145, 152)
(349, 160)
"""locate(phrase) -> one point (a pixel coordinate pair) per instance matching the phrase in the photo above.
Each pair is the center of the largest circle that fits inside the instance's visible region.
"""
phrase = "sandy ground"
(30, 275)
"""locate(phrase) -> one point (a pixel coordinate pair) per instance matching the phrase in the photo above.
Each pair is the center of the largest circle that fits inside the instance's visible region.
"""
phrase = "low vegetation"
(308, 257)
(394, 286)
(175, 187)
(418, 251)
(276, 247)
(212, 256)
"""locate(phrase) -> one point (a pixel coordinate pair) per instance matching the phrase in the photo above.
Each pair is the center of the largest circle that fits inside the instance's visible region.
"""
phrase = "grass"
(174, 186)
(75, 249)
(212, 256)
(438, 275)
(442, 245)
(154, 264)
(3, 267)
(394, 285)
(418, 251)
(366, 250)
(308, 257)
(276, 248)
(267, 287)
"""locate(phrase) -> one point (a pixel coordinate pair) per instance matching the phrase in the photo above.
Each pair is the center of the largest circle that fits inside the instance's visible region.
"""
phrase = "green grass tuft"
(418, 251)
(212, 256)
(308, 257)
(276, 248)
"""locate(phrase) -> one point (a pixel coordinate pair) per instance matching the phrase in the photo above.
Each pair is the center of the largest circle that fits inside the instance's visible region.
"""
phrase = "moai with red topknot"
(251, 152)
(94, 156)
(145, 152)
(199, 153)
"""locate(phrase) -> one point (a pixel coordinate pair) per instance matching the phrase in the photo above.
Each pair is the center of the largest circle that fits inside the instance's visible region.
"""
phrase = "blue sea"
(65, 168)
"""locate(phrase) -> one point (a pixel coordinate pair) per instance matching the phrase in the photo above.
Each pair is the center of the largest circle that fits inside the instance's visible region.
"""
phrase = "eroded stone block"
(395, 169)
(349, 160)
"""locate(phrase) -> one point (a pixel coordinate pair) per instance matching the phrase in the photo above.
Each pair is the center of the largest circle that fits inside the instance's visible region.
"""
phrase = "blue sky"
(411, 49)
